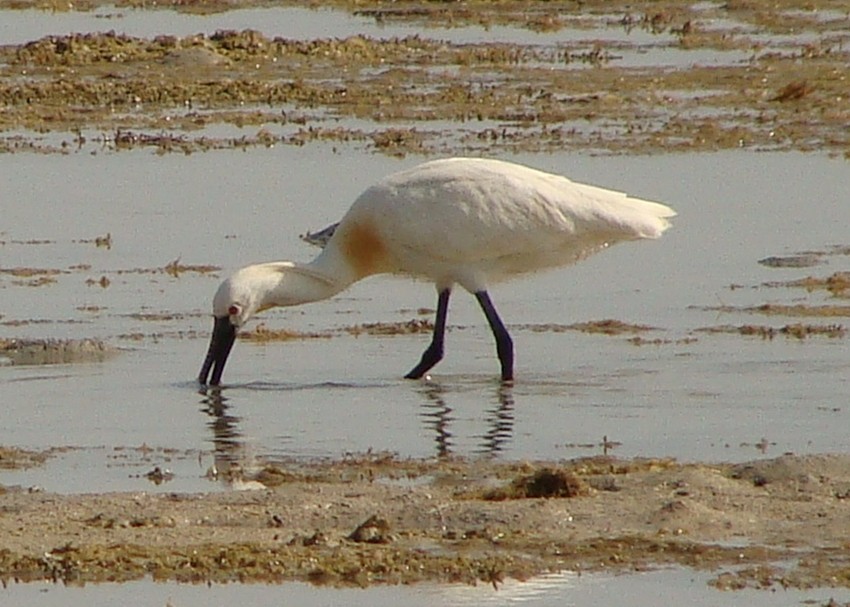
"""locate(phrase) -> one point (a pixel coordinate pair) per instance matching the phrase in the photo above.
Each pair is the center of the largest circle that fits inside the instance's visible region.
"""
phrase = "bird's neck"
(292, 283)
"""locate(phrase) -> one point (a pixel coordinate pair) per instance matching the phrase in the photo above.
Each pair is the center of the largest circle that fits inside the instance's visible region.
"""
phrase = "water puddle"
(303, 24)
(20, 26)
(673, 587)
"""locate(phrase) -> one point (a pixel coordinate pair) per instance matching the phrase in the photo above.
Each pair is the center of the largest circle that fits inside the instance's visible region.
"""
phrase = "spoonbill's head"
(234, 303)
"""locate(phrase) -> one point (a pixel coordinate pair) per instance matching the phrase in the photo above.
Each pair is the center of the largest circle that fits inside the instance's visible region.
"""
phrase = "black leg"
(504, 343)
(434, 353)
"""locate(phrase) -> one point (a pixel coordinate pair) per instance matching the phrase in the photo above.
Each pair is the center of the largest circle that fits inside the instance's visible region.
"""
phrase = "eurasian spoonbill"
(465, 221)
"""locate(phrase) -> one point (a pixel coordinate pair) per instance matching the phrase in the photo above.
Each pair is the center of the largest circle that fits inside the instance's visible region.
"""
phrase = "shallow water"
(667, 587)
(289, 22)
(627, 47)
(701, 396)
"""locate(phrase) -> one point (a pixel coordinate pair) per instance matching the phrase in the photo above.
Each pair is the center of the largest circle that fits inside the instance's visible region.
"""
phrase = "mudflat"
(374, 519)
(752, 75)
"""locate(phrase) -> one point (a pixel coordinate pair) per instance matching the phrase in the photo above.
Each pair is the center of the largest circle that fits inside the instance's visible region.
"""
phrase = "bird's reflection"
(227, 440)
(500, 423)
(231, 461)
(438, 418)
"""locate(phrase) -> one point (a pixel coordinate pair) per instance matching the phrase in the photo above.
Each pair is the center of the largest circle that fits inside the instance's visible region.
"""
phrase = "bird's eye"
(233, 310)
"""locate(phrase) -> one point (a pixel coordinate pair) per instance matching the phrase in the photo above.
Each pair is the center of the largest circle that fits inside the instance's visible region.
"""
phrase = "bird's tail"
(650, 219)
(626, 216)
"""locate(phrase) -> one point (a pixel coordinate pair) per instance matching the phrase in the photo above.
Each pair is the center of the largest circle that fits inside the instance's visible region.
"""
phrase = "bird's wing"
(471, 221)
(500, 214)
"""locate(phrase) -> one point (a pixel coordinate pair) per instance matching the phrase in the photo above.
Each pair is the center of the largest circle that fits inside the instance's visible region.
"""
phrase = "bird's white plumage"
(478, 221)
(455, 221)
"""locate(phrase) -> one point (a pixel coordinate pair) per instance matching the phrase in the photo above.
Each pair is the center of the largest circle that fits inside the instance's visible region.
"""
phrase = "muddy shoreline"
(376, 519)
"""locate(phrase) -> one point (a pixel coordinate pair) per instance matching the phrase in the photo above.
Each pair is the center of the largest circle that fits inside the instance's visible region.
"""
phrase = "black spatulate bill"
(223, 336)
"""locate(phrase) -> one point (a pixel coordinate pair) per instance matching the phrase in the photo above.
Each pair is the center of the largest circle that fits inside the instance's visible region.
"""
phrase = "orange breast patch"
(364, 249)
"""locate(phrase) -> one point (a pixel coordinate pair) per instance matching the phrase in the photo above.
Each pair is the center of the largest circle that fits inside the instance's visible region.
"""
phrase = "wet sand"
(374, 519)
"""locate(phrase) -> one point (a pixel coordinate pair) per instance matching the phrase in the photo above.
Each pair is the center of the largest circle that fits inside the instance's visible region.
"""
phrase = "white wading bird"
(465, 221)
